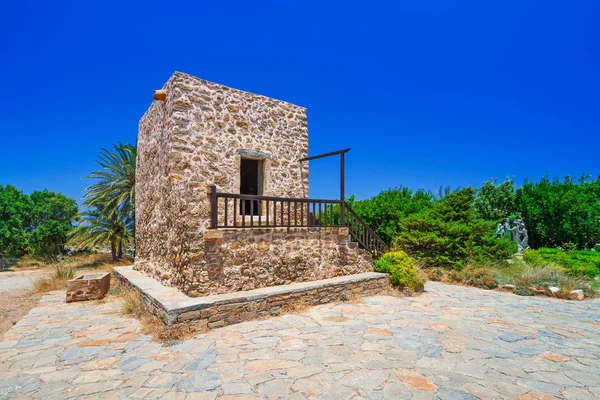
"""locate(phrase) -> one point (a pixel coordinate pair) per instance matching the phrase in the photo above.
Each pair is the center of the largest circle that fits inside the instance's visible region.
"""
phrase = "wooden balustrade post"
(214, 209)
(342, 184)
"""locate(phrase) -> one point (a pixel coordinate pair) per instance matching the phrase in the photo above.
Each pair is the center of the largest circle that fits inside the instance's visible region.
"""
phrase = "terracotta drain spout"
(160, 95)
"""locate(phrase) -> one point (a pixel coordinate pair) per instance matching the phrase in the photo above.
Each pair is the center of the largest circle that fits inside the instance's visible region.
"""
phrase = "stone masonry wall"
(197, 138)
(255, 258)
(217, 313)
(227, 314)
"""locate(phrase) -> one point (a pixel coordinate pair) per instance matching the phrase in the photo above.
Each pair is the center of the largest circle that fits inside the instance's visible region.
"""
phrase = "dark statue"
(518, 233)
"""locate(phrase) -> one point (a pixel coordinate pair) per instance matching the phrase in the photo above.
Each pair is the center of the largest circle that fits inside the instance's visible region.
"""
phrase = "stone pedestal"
(88, 287)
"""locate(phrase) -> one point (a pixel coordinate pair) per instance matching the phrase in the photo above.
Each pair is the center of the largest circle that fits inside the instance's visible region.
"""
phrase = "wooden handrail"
(229, 210)
(369, 240)
(271, 198)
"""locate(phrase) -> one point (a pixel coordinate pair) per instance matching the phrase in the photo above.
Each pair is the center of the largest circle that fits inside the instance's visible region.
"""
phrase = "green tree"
(496, 201)
(15, 220)
(385, 212)
(97, 229)
(450, 234)
(560, 212)
(52, 217)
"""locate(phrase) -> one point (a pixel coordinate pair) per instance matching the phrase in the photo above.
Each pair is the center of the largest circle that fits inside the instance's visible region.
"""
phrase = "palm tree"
(97, 229)
(110, 214)
(114, 189)
(442, 192)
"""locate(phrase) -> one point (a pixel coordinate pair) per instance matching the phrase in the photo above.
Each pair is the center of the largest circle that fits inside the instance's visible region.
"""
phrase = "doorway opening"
(251, 182)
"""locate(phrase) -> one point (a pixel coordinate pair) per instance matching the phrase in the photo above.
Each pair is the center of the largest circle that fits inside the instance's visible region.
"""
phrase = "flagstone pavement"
(451, 342)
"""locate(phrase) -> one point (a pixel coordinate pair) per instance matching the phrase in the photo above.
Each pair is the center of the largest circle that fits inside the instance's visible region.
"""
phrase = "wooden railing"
(250, 211)
(363, 234)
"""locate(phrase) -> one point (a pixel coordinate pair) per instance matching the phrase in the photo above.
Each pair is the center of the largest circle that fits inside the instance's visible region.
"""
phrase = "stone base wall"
(217, 311)
(233, 313)
(236, 260)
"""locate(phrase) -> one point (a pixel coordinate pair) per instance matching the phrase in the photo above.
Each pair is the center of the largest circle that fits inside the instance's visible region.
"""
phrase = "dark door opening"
(250, 183)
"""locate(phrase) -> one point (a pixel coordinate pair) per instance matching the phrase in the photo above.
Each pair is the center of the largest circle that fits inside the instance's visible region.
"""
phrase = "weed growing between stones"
(133, 305)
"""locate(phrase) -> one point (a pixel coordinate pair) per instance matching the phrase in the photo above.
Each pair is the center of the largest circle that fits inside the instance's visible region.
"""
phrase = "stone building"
(202, 135)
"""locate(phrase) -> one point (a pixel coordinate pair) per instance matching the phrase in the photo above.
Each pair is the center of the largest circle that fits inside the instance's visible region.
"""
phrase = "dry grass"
(69, 267)
(58, 279)
(15, 305)
(539, 277)
(28, 262)
(133, 306)
(529, 279)
(295, 306)
(421, 271)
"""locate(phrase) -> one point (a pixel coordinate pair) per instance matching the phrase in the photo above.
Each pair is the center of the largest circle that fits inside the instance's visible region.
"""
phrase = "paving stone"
(87, 389)
(164, 380)
(510, 337)
(201, 381)
(203, 361)
(449, 343)
(237, 388)
(18, 386)
(447, 393)
(131, 363)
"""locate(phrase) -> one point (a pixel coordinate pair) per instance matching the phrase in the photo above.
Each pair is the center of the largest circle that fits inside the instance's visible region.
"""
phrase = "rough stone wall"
(228, 314)
(214, 127)
(153, 187)
(256, 258)
(195, 139)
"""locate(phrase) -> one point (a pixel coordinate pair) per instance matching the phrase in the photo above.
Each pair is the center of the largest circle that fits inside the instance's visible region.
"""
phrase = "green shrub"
(575, 263)
(450, 235)
(523, 291)
(402, 270)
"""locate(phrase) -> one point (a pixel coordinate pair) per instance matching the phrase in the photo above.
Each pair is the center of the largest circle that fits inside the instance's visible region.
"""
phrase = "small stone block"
(213, 234)
(343, 232)
(576, 295)
(189, 315)
(553, 290)
(88, 287)
(507, 287)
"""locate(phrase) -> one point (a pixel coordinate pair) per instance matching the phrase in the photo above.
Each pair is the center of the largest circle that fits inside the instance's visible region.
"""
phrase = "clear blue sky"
(426, 93)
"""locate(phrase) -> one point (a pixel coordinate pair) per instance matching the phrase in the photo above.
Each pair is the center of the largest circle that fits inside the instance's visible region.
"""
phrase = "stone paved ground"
(449, 343)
